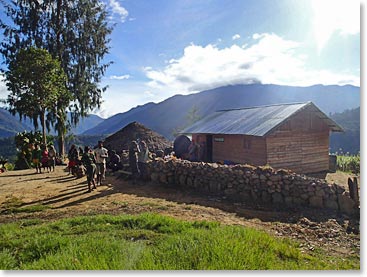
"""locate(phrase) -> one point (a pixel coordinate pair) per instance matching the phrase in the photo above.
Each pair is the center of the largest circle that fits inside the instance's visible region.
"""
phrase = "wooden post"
(355, 181)
(353, 190)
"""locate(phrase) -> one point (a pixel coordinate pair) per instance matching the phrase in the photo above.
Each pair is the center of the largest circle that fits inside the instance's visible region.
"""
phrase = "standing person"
(52, 157)
(133, 160)
(89, 161)
(73, 157)
(101, 154)
(36, 158)
(143, 157)
(44, 159)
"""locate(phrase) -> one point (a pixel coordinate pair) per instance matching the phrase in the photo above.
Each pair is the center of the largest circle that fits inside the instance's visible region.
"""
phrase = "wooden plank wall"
(233, 149)
(300, 144)
(300, 152)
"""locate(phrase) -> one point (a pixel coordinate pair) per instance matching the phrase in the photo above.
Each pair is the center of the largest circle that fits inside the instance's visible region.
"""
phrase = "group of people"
(43, 157)
(138, 158)
(94, 161)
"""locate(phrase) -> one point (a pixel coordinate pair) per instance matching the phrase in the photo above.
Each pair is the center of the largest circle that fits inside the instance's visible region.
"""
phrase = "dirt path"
(66, 196)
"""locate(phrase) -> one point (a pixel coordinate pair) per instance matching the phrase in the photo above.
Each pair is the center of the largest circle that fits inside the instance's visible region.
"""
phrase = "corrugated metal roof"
(256, 121)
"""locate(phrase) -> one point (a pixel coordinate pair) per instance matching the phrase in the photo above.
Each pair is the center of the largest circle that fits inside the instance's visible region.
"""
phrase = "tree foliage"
(23, 143)
(36, 81)
(74, 32)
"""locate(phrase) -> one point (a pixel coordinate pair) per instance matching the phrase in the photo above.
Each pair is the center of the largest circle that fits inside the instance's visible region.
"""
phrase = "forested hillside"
(349, 141)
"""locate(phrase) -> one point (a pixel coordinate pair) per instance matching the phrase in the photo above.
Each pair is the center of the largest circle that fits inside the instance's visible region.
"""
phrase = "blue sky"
(165, 47)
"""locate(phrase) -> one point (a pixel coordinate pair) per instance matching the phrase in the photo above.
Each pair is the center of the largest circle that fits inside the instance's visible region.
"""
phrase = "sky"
(165, 47)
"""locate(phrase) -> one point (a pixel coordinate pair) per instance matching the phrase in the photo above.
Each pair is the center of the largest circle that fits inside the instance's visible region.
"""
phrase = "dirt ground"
(66, 196)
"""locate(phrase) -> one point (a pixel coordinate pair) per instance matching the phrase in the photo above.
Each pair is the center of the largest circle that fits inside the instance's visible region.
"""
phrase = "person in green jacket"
(89, 162)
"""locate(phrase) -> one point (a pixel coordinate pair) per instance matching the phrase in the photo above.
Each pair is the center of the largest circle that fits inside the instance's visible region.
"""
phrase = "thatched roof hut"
(121, 140)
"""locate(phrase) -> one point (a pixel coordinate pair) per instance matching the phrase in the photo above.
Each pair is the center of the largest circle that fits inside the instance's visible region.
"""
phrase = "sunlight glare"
(331, 16)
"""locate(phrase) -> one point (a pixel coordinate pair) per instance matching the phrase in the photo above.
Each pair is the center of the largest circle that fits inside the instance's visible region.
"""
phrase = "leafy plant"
(24, 142)
(348, 163)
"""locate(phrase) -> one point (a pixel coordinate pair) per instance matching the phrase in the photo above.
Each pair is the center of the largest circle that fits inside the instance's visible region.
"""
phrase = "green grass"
(348, 163)
(148, 242)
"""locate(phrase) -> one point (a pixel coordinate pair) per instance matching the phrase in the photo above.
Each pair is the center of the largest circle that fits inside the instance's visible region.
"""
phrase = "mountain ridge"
(171, 114)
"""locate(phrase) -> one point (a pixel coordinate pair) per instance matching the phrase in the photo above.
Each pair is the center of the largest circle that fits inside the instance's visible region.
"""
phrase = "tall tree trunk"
(43, 123)
(61, 122)
(61, 142)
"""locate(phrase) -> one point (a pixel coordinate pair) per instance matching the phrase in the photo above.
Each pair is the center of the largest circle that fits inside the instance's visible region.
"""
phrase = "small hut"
(291, 136)
(121, 140)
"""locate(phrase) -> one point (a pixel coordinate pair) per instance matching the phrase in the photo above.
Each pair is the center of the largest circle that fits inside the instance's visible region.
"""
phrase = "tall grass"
(348, 163)
(150, 242)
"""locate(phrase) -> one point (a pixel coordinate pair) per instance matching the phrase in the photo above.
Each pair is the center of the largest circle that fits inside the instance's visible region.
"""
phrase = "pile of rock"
(258, 184)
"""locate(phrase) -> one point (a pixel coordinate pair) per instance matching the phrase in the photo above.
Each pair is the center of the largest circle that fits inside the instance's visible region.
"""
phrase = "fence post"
(353, 190)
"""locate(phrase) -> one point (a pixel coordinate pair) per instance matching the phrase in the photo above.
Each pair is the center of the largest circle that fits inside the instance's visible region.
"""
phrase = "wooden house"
(289, 136)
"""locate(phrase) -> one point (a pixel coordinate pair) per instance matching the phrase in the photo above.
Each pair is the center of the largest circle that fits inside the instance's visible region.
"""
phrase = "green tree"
(24, 143)
(36, 81)
(74, 32)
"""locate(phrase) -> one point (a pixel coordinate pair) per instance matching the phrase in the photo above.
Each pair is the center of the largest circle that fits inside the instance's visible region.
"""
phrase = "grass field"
(150, 242)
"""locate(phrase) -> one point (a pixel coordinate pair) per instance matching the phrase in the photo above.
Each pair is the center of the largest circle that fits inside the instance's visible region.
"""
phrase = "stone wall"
(280, 188)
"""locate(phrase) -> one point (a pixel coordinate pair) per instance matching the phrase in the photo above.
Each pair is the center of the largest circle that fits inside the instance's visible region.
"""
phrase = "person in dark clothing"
(133, 160)
(73, 156)
(52, 157)
(89, 162)
(36, 158)
(115, 161)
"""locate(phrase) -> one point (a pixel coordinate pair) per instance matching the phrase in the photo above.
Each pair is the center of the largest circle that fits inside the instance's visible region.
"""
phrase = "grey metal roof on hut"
(256, 121)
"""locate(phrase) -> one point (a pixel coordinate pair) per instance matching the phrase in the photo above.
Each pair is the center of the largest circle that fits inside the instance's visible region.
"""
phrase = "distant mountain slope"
(172, 113)
(86, 123)
(349, 141)
(118, 121)
(10, 125)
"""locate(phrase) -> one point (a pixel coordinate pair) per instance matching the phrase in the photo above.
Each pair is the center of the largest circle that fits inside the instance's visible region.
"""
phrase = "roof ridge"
(264, 106)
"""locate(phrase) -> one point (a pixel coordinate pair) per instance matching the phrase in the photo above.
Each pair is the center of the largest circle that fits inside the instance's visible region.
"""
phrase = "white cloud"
(236, 36)
(149, 93)
(3, 89)
(121, 77)
(118, 9)
(271, 60)
(258, 36)
(332, 16)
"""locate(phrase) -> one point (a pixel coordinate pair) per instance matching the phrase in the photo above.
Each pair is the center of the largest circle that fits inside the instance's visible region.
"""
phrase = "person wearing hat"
(101, 154)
